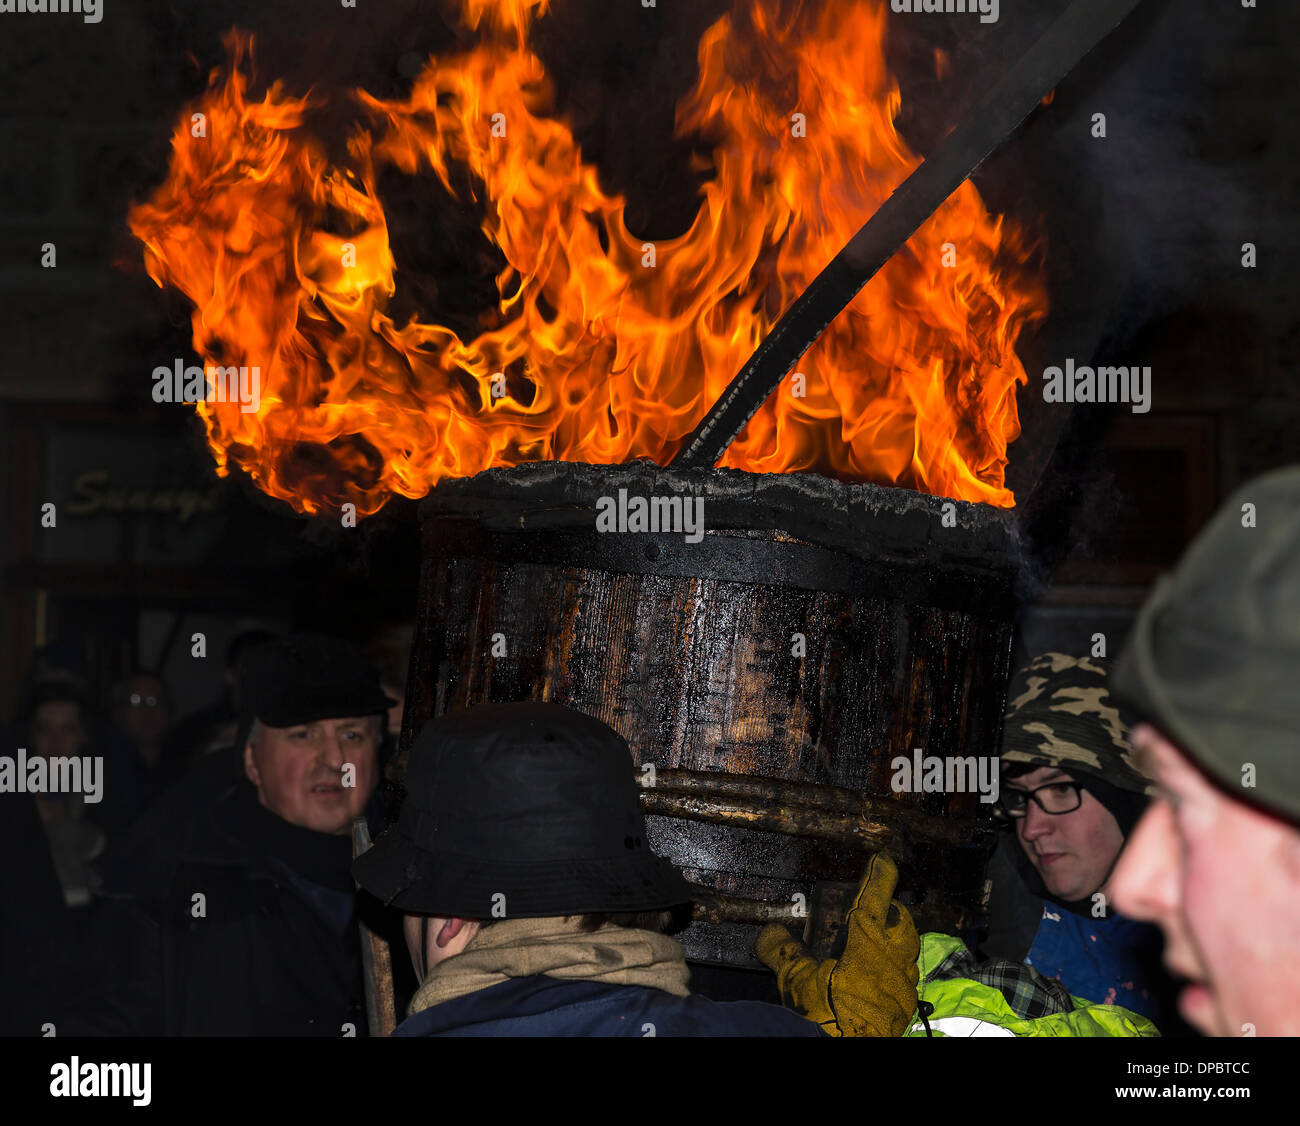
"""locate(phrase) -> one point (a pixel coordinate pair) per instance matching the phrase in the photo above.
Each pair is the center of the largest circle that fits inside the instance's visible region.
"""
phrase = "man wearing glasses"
(1072, 795)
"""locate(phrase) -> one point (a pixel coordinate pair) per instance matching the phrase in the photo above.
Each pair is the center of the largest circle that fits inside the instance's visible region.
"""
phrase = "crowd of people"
(1147, 883)
(68, 855)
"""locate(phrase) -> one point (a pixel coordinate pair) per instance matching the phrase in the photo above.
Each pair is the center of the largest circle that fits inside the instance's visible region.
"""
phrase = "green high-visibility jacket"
(969, 1008)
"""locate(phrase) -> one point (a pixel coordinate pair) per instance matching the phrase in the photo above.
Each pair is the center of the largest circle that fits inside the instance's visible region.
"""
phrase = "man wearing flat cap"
(1212, 667)
(235, 913)
(534, 903)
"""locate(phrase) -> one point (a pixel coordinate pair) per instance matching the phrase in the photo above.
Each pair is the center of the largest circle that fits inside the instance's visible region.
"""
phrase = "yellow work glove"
(871, 989)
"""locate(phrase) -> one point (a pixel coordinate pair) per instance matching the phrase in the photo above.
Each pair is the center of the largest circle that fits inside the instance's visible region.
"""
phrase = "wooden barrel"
(771, 671)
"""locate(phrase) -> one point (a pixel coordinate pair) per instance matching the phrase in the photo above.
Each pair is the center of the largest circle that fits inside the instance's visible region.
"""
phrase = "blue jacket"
(1112, 960)
(550, 1006)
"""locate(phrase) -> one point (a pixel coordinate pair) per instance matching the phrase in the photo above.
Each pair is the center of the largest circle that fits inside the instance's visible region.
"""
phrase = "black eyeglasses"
(1054, 798)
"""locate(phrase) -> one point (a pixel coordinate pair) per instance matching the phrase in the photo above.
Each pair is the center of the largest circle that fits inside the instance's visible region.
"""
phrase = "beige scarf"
(556, 947)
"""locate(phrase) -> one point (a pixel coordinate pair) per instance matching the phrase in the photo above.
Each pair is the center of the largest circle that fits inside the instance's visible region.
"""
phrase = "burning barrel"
(767, 668)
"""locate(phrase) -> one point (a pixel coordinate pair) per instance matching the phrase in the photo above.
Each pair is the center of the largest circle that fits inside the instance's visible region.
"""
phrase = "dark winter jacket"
(546, 1006)
(37, 928)
(229, 922)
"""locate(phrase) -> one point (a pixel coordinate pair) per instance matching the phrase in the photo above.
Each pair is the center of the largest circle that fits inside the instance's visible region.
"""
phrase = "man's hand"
(871, 989)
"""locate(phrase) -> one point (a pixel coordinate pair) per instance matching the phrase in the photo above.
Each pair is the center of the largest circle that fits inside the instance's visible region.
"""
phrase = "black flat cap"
(307, 677)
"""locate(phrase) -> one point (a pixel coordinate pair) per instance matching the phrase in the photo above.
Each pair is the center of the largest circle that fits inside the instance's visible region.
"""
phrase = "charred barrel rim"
(797, 530)
(784, 531)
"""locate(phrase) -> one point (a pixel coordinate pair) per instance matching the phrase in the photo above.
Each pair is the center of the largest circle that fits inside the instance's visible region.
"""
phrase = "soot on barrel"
(770, 665)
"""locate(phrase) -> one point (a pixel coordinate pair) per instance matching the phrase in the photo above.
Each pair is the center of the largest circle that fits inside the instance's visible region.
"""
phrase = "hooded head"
(1065, 743)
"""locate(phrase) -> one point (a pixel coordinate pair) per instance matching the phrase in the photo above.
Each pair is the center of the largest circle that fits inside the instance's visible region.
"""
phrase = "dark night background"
(1144, 236)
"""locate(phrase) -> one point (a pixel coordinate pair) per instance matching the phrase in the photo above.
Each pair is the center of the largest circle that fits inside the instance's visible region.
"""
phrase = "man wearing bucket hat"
(534, 904)
(1213, 669)
(233, 911)
(1072, 795)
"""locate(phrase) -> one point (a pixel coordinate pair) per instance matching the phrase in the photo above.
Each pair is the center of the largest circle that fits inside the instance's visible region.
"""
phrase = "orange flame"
(604, 348)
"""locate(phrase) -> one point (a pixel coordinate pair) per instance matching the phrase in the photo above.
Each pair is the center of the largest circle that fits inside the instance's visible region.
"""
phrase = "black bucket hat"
(519, 811)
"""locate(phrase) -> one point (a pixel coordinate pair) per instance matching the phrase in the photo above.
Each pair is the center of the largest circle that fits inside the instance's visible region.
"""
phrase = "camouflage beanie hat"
(1214, 657)
(1061, 714)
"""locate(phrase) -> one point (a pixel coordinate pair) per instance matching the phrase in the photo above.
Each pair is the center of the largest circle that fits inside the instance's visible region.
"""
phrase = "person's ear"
(448, 932)
(250, 766)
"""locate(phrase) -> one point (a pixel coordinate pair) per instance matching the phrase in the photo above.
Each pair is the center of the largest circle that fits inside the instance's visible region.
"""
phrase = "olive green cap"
(1214, 657)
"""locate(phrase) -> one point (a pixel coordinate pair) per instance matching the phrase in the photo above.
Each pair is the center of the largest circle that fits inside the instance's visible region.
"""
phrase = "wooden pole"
(381, 1006)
